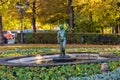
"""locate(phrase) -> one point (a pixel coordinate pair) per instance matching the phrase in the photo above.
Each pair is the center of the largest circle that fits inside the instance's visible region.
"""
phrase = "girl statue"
(62, 38)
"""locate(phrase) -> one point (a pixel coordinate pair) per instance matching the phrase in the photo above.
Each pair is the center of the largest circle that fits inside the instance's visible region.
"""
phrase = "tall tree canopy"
(53, 11)
(89, 15)
(95, 15)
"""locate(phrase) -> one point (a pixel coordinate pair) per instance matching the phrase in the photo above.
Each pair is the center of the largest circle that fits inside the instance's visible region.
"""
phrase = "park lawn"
(33, 49)
(57, 72)
(13, 46)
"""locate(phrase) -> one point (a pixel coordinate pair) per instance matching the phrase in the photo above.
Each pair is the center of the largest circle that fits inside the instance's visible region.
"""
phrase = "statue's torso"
(62, 34)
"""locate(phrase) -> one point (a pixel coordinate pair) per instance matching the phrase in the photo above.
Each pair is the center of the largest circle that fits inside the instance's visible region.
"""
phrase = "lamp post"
(21, 8)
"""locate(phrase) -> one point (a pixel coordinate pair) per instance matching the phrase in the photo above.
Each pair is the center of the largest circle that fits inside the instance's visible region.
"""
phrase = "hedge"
(72, 38)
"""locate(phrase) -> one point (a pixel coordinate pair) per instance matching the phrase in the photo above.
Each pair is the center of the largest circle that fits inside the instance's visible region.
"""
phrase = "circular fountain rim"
(4, 61)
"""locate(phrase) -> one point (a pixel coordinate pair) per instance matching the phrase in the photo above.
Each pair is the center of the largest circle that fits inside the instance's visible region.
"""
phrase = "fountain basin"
(54, 59)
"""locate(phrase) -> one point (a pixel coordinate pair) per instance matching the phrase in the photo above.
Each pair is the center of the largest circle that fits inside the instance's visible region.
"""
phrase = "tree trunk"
(34, 17)
(102, 30)
(1, 34)
(71, 13)
(117, 29)
(91, 19)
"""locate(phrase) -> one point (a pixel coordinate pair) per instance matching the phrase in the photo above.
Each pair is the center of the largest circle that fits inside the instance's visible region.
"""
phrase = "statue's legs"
(62, 47)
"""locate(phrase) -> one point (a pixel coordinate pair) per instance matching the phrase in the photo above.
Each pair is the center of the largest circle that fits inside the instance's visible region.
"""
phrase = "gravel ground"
(114, 75)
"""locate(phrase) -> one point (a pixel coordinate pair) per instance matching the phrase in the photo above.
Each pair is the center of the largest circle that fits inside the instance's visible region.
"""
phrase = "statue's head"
(61, 26)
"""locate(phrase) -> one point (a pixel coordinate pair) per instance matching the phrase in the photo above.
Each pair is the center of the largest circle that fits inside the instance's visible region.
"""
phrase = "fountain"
(56, 59)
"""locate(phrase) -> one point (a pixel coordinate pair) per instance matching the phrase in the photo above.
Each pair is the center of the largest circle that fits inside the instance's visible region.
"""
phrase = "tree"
(53, 13)
(71, 13)
(95, 15)
(1, 34)
(88, 15)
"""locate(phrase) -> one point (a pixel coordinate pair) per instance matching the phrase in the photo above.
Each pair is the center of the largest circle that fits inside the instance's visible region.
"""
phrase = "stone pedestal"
(64, 56)
(106, 54)
(105, 67)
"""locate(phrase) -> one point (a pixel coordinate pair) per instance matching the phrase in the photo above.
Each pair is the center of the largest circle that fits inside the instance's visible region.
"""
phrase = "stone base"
(48, 60)
(64, 56)
(63, 60)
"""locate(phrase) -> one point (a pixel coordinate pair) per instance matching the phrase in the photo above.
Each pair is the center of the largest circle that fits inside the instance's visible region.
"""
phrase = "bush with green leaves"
(53, 73)
(114, 75)
(72, 38)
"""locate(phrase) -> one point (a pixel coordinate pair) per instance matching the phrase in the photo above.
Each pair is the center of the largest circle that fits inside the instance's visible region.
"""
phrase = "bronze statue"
(62, 38)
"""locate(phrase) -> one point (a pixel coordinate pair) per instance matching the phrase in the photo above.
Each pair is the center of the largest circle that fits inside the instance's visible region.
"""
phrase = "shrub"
(72, 38)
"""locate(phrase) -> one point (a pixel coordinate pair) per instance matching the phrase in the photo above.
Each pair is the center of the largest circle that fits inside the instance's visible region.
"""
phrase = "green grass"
(32, 49)
(52, 73)
(57, 72)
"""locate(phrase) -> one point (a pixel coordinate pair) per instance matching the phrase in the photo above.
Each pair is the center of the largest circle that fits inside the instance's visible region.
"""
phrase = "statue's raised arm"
(67, 26)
